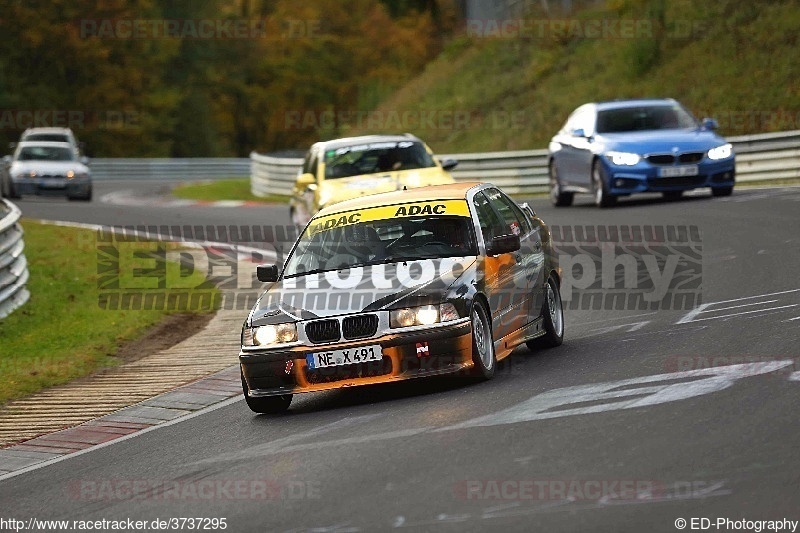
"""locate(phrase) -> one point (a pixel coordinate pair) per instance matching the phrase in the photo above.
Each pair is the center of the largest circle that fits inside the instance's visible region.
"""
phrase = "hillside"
(511, 86)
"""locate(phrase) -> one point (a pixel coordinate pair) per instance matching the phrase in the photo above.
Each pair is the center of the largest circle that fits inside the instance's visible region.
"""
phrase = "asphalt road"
(577, 438)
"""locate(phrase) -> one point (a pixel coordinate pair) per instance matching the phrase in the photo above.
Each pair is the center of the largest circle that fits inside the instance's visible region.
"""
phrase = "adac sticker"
(423, 350)
(432, 208)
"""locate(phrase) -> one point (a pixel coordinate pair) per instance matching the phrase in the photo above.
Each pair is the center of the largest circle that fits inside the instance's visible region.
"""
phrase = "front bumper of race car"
(404, 354)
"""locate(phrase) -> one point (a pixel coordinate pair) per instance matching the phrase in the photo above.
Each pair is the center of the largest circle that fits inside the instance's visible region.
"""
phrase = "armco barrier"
(767, 156)
(13, 265)
(169, 169)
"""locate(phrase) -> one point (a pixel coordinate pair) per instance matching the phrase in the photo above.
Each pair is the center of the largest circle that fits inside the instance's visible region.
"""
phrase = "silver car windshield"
(644, 118)
(45, 153)
(380, 242)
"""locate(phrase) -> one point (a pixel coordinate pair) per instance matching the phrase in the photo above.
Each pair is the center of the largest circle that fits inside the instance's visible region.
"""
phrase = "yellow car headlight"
(271, 335)
(425, 315)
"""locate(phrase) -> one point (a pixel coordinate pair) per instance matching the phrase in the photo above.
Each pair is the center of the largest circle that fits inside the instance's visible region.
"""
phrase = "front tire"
(602, 198)
(269, 405)
(557, 196)
(483, 355)
(553, 314)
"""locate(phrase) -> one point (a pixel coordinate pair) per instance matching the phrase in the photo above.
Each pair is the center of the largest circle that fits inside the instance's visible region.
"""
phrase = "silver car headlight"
(271, 335)
(425, 315)
(721, 152)
(625, 159)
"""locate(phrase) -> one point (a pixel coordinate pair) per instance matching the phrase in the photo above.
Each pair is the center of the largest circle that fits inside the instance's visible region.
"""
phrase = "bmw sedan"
(400, 285)
(46, 169)
(618, 148)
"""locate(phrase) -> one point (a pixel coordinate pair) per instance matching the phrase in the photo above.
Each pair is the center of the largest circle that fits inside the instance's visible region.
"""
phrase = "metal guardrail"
(13, 265)
(169, 169)
(767, 156)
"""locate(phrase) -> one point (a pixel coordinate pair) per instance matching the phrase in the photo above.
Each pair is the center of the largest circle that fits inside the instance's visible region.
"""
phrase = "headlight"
(721, 152)
(623, 158)
(269, 335)
(32, 174)
(425, 315)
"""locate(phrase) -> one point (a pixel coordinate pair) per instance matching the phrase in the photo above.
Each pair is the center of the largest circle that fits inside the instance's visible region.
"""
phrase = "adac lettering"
(343, 220)
(413, 210)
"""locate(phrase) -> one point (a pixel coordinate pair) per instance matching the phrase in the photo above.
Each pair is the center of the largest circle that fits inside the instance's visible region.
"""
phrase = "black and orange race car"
(401, 285)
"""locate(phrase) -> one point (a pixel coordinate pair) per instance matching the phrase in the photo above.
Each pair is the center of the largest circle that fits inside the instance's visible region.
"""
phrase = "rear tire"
(721, 191)
(268, 405)
(553, 314)
(483, 355)
(557, 196)
(602, 198)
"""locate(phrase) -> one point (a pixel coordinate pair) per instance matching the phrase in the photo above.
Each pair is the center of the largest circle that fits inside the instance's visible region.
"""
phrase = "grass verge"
(61, 333)
(228, 189)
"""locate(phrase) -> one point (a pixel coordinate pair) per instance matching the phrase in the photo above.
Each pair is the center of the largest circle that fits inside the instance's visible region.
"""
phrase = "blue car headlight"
(625, 159)
(721, 152)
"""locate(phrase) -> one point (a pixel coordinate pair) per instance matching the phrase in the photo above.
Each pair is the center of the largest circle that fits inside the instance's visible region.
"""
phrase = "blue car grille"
(671, 159)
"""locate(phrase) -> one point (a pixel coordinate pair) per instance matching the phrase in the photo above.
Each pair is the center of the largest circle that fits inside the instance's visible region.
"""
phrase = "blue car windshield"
(644, 118)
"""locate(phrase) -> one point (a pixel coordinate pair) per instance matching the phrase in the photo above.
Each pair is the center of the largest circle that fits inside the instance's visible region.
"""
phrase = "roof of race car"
(365, 139)
(450, 191)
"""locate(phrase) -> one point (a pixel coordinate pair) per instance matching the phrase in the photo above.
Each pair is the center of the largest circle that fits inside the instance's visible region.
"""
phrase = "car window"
(644, 118)
(513, 219)
(45, 153)
(491, 224)
(371, 158)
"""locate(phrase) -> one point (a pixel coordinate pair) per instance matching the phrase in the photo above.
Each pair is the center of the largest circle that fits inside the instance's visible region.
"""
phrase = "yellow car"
(343, 169)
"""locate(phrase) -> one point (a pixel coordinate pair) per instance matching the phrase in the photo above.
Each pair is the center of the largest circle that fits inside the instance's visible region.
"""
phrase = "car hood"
(661, 141)
(340, 189)
(49, 167)
(377, 287)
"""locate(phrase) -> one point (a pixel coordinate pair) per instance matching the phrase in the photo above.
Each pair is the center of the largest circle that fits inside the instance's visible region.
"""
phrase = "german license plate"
(678, 172)
(51, 184)
(348, 356)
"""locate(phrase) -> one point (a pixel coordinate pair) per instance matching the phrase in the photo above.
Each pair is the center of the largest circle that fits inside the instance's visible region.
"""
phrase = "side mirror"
(449, 164)
(84, 160)
(710, 124)
(578, 132)
(267, 273)
(503, 244)
(7, 160)
(304, 180)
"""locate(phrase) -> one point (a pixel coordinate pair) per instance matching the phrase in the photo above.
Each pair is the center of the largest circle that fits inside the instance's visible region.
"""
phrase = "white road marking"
(692, 315)
(795, 376)
(619, 318)
(627, 328)
(745, 313)
(643, 392)
(793, 319)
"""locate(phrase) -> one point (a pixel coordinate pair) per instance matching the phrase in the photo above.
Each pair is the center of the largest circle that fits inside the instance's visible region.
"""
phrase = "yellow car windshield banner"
(346, 218)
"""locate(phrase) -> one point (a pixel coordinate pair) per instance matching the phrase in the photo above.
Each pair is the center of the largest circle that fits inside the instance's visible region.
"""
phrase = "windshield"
(49, 137)
(370, 158)
(644, 118)
(44, 153)
(380, 240)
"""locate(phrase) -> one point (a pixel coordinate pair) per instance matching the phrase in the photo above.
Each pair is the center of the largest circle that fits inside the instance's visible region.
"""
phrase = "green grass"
(228, 189)
(61, 333)
(734, 61)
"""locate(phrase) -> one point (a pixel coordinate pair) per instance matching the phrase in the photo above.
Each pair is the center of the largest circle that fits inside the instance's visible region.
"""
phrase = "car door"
(532, 254)
(504, 275)
(307, 196)
(575, 142)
